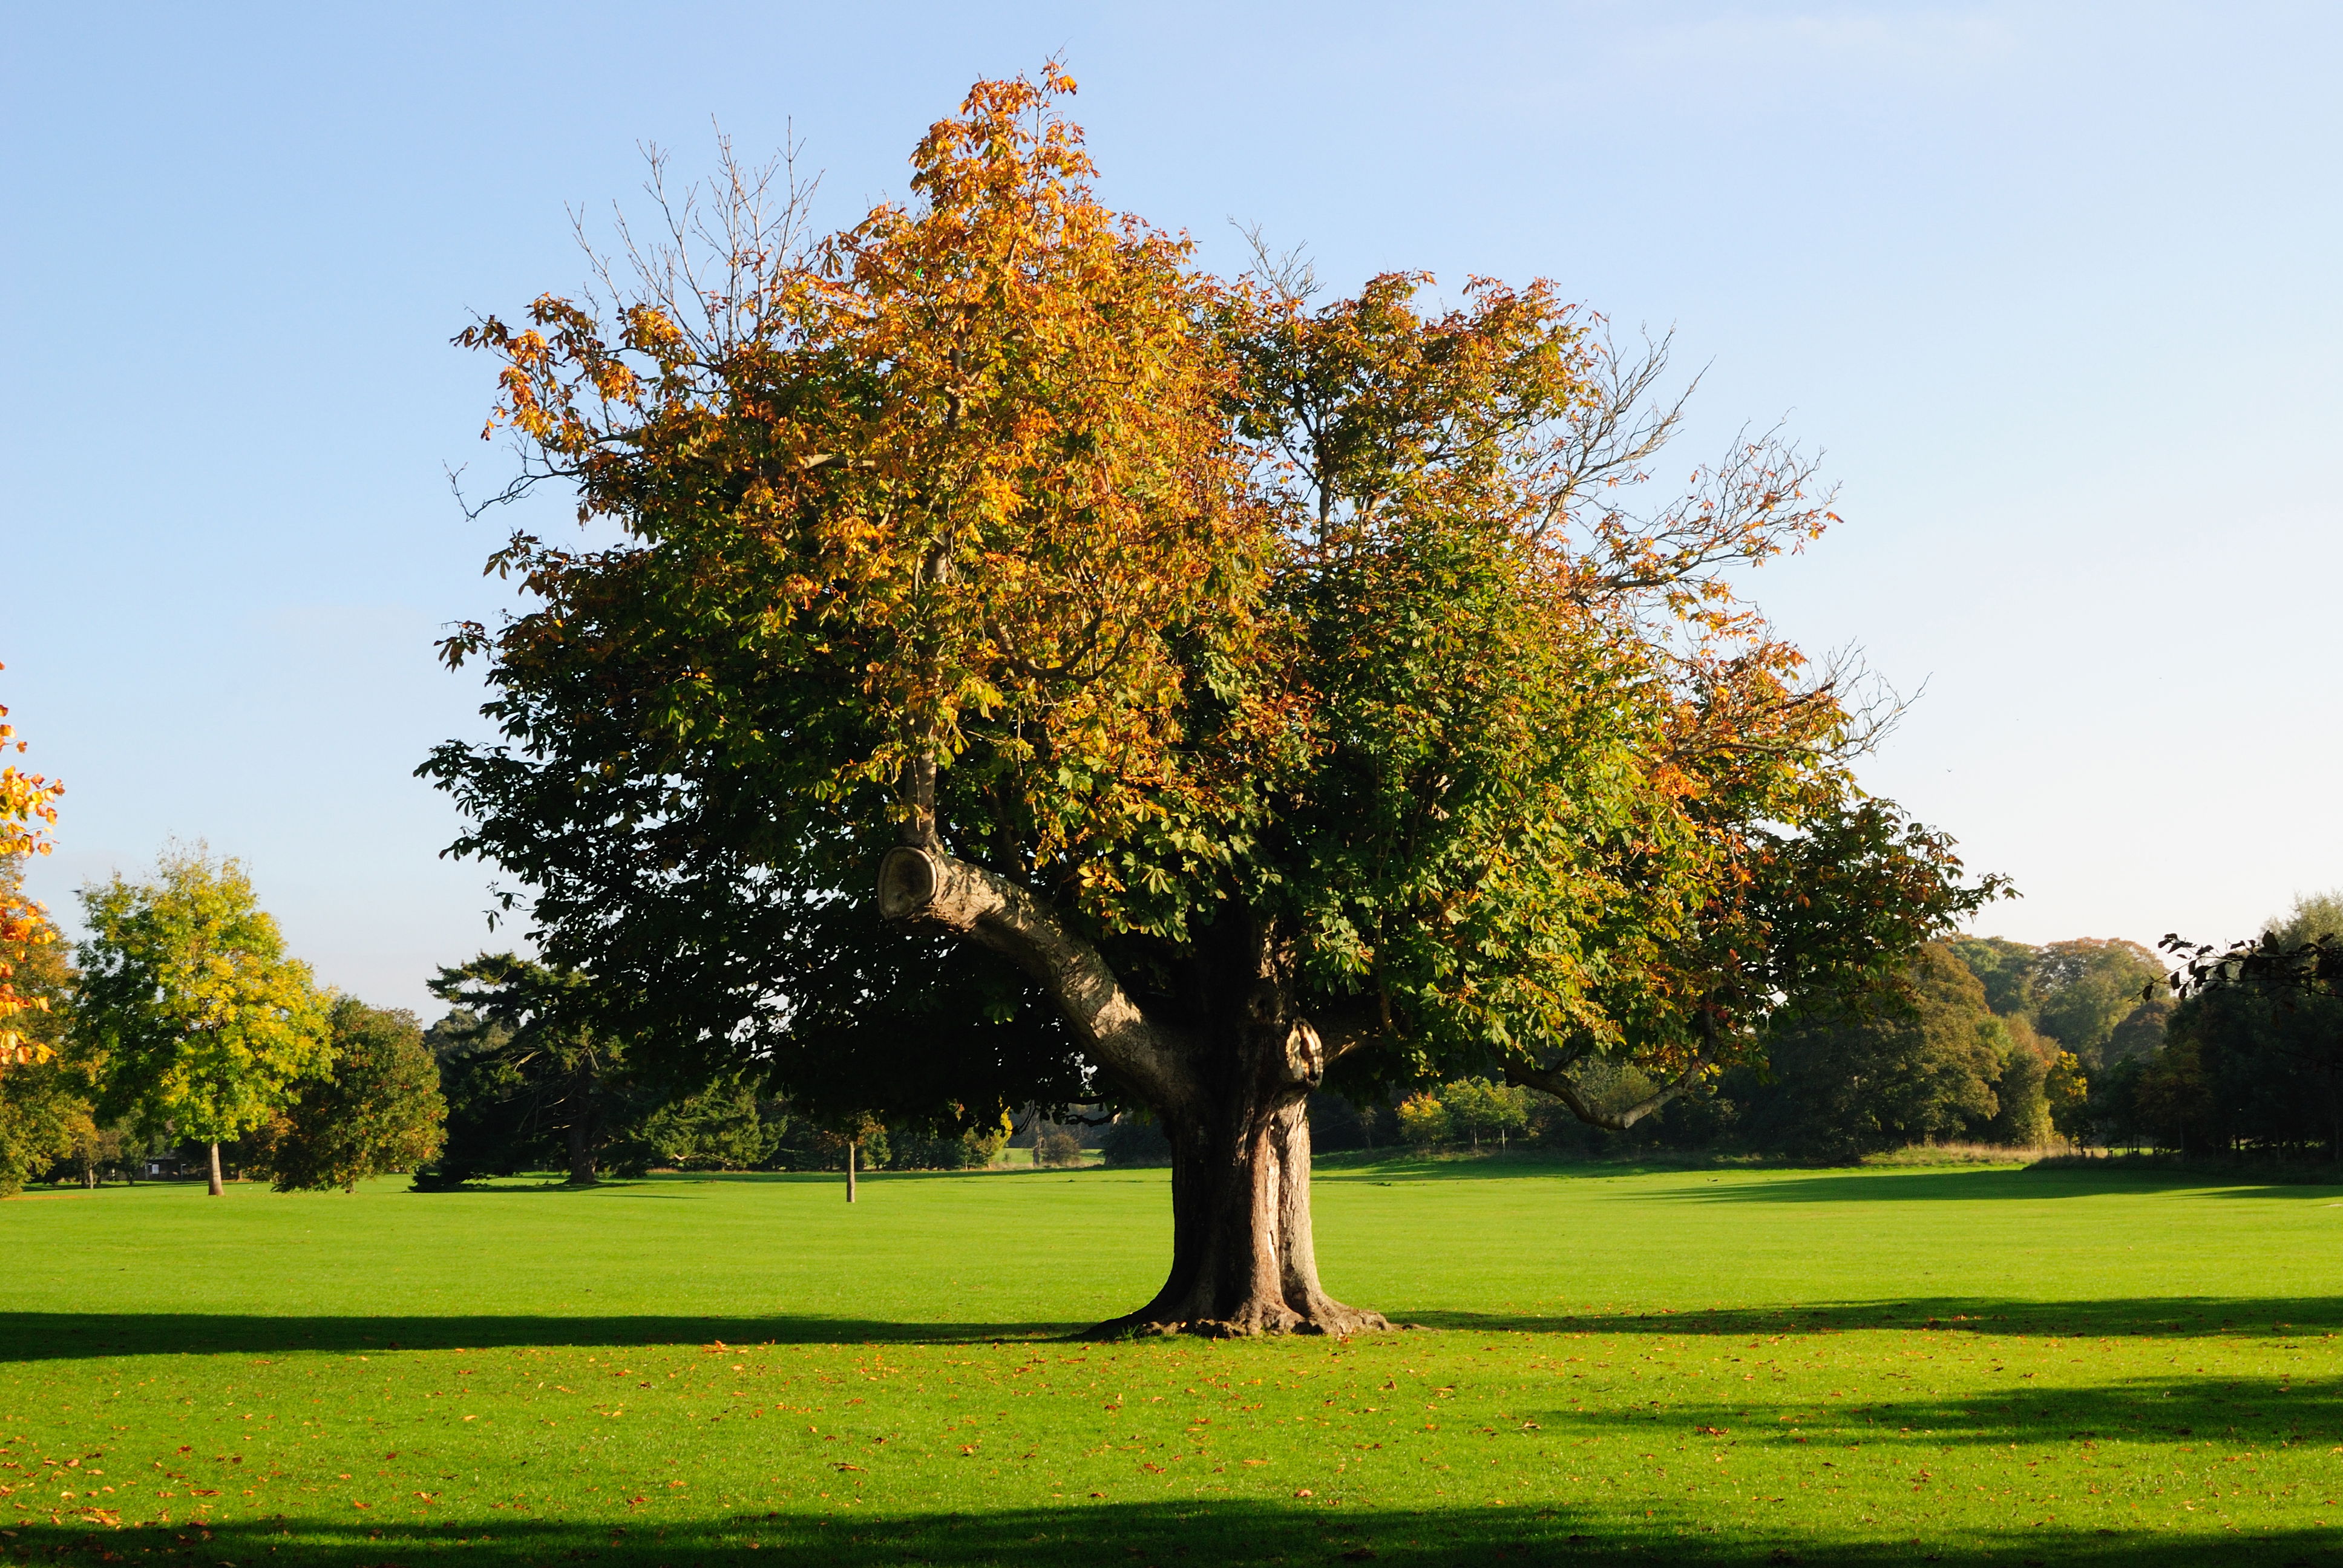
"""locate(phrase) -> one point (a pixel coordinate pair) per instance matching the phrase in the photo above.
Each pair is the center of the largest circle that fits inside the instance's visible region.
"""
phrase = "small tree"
(2068, 1092)
(1481, 1106)
(191, 1016)
(1424, 1121)
(376, 1110)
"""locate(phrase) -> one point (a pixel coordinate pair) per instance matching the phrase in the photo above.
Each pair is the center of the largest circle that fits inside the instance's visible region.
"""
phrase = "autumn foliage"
(27, 808)
(1224, 686)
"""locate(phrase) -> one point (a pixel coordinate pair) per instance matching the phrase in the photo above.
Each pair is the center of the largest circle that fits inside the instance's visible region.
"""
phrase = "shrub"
(1056, 1146)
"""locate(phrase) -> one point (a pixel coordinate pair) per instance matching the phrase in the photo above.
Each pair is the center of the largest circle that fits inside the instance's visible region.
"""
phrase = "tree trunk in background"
(216, 1189)
(583, 1166)
(850, 1170)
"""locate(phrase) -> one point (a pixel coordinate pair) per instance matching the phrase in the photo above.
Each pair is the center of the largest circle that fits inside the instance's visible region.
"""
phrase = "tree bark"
(850, 1170)
(217, 1188)
(1228, 1080)
(1244, 1260)
(584, 1168)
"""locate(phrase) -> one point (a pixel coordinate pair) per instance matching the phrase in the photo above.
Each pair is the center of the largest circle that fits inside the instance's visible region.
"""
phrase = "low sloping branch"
(1556, 1082)
(925, 888)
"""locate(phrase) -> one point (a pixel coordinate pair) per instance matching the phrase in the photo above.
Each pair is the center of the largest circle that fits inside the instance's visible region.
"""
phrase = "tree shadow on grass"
(2207, 1411)
(51, 1336)
(2176, 1317)
(1977, 1183)
(1193, 1532)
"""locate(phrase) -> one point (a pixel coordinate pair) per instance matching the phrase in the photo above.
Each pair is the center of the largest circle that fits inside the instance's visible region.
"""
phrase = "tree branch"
(925, 887)
(1554, 1081)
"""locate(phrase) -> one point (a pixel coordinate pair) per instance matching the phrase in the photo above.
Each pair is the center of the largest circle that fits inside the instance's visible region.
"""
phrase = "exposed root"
(1250, 1320)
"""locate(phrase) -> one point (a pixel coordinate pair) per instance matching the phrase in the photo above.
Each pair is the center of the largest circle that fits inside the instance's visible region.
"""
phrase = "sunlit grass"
(1839, 1366)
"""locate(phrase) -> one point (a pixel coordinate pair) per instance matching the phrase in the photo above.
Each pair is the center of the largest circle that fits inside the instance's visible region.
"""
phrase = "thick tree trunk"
(217, 1188)
(1227, 1070)
(1243, 1261)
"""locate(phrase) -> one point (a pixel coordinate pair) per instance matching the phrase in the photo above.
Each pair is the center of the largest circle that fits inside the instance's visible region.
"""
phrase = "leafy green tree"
(1219, 687)
(2084, 990)
(532, 1072)
(2253, 1057)
(719, 1128)
(2005, 970)
(1845, 1084)
(189, 1013)
(2021, 1116)
(2068, 1092)
(376, 1109)
(1481, 1107)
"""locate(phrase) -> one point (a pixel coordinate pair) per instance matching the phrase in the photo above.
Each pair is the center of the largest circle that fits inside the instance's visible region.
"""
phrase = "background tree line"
(179, 1027)
(180, 1036)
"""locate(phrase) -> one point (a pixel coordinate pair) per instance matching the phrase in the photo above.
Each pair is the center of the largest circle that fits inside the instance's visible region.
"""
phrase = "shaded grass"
(1866, 1366)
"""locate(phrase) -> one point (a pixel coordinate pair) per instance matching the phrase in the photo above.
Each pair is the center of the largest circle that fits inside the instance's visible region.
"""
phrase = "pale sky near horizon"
(2054, 284)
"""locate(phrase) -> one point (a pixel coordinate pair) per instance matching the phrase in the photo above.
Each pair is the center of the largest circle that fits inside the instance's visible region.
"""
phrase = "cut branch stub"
(1305, 1055)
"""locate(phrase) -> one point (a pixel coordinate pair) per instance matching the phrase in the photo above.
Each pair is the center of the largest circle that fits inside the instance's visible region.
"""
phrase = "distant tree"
(376, 1109)
(2254, 1051)
(1424, 1121)
(44, 1097)
(532, 1072)
(2085, 988)
(1135, 1137)
(1482, 1108)
(1056, 1146)
(1848, 1083)
(2068, 1092)
(722, 1127)
(190, 1017)
(2141, 1033)
(2005, 970)
(909, 1149)
(2021, 1116)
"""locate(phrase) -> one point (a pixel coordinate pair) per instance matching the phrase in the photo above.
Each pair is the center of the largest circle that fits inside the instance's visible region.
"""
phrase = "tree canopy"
(376, 1108)
(1221, 686)
(187, 1011)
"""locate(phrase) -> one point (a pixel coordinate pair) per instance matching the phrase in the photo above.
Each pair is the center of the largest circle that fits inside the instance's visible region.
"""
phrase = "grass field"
(1963, 1366)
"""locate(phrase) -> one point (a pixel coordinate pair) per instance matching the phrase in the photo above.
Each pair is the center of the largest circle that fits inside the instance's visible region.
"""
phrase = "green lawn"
(1966, 1365)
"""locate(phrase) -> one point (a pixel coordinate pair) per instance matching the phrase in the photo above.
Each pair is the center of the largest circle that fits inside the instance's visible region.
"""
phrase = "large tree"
(1220, 685)
(188, 1012)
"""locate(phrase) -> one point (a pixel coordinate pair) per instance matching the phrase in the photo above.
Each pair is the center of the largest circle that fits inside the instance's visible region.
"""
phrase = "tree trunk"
(850, 1170)
(1243, 1261)
(583, 1164)
(216, 1189)
(1227, 1070)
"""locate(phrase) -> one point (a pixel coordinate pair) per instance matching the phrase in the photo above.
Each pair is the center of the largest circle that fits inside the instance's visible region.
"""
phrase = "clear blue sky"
(2055, 286)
